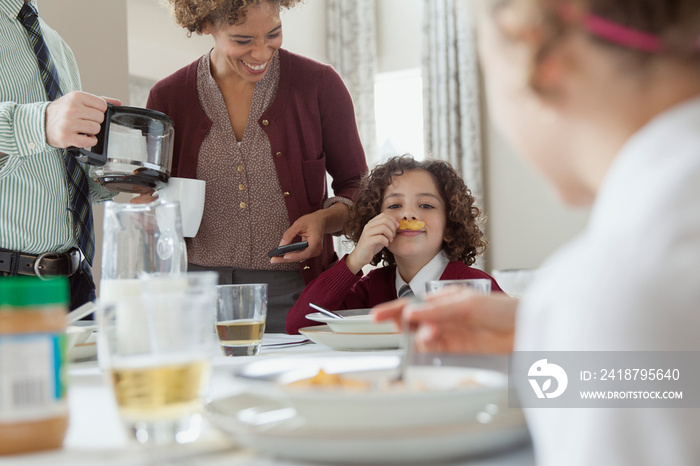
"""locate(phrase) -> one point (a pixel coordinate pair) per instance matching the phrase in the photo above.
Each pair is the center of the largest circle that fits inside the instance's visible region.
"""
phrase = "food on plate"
(325, 380)
(411, 225)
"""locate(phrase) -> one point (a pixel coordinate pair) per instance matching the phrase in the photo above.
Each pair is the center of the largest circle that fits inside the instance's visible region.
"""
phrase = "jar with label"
(33, 404)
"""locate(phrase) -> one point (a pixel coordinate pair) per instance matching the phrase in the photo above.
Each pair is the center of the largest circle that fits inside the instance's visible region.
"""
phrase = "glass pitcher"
(139, 239)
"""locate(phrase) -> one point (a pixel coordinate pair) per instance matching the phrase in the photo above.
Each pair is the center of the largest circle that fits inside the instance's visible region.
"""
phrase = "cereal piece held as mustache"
(411, 225)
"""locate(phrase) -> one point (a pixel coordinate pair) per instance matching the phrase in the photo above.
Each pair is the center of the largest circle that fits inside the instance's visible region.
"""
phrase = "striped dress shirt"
(34, 202)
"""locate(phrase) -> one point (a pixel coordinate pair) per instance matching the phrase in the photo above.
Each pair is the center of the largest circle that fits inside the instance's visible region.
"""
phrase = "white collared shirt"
(431, 271)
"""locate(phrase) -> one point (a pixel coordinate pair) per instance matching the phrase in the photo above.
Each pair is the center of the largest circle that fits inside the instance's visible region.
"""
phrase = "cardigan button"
(306, 267)
(265, 122)
(278, 154)
(242, 204)
(286, 194)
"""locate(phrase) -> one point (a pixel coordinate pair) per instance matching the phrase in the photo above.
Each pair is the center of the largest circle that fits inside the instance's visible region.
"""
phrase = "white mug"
(190, 194)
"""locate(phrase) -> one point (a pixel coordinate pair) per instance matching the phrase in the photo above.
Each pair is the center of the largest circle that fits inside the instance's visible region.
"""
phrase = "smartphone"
(282, 250)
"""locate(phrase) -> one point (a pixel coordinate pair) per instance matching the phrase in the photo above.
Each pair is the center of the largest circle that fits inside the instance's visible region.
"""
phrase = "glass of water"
(480, 285)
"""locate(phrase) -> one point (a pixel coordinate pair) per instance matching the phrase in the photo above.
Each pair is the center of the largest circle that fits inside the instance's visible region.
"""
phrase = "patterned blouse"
(244, 213)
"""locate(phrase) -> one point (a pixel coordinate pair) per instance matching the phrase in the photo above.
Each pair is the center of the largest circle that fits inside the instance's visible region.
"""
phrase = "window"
(398, 107)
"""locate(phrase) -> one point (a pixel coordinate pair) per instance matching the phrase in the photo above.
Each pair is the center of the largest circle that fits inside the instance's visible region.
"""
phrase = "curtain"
(451, 102)
(352, 51)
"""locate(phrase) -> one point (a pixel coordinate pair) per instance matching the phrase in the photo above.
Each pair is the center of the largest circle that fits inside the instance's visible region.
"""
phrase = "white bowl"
(283, 437)
(432, 395)
(354, 321)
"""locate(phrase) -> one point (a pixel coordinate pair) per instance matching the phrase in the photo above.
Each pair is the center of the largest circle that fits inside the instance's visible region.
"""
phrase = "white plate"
(295, 440)
(431, 395)
(355, 321)
(322, 334)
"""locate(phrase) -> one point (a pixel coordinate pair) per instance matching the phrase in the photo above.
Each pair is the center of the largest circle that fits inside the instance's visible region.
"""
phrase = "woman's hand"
(312, 227)
(458, 321)
(144, 198)
(376, 235)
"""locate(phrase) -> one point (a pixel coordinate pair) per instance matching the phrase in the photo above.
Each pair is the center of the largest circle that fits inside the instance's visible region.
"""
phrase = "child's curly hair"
(464, 240)
(194, 15)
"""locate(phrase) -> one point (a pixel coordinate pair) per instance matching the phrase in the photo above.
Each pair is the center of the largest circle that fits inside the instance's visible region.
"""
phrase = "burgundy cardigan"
(311, 127)
(338, 288)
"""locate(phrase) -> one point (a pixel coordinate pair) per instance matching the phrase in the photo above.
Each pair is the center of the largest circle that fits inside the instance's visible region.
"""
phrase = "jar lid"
(32, 291)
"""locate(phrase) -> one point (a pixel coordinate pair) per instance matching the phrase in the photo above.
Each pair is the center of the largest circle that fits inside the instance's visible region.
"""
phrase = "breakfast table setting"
(97, 436)
(171, 368)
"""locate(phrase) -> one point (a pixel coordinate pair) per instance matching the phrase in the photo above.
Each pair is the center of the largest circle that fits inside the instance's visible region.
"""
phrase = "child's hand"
(376, 235)
(457, 321)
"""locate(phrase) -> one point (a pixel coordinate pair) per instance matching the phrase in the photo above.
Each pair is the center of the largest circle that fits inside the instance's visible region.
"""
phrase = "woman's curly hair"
(194, 15)
(464, 240)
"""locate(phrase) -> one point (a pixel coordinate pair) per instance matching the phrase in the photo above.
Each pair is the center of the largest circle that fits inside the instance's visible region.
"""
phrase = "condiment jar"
(33, 404)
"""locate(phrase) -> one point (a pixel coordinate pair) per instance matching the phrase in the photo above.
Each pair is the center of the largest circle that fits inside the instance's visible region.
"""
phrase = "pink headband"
(621, 35)
(612, 31)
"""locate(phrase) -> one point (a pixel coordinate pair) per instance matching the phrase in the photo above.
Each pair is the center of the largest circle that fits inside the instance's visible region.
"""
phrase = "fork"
(406, 341)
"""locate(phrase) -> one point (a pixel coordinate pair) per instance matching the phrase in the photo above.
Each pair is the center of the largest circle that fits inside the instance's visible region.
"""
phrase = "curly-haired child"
(419, 220)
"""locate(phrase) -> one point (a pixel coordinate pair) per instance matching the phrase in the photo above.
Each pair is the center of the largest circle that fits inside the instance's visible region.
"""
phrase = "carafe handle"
(98, 155)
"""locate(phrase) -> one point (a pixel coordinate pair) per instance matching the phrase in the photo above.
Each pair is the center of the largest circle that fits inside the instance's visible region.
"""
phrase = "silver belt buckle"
(37, 261)
(40, 257)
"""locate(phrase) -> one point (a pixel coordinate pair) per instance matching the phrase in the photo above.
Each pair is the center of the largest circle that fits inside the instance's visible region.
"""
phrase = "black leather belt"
(40, 265)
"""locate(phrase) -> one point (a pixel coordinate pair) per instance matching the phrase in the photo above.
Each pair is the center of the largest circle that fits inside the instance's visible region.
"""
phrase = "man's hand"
(75, 118)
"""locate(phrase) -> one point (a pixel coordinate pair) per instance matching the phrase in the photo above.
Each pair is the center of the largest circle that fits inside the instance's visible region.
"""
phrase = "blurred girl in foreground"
(603, 98)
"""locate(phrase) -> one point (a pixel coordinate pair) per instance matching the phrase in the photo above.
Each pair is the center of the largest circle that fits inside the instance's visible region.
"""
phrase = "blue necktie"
(78, 188)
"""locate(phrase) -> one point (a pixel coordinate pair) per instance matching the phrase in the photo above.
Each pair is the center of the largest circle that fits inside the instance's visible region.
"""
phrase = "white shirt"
(630, 281)
(431, 271)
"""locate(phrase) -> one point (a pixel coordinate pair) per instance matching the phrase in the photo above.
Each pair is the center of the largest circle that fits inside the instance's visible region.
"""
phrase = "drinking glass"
(240, 318)
(480, 285)
(156, 351)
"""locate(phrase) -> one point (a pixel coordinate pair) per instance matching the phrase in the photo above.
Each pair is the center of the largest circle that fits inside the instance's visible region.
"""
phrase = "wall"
(526, 221)
(158, 45)
(96, 32)
(399, 34)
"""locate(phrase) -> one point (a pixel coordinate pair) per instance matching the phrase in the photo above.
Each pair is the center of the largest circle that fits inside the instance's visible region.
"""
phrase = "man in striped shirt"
(37, 235)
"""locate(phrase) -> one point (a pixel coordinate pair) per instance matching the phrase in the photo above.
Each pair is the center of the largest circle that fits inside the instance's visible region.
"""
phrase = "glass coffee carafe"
(140, 239)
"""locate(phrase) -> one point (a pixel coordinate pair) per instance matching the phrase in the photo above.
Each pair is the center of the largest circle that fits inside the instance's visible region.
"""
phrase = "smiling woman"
(262, 126)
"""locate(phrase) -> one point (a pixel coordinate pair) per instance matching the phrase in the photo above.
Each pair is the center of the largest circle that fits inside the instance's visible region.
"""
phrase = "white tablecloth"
(96, 437)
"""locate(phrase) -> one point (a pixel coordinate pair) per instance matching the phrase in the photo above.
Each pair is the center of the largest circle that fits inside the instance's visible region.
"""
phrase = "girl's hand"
(376, 235)
(458, 321)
